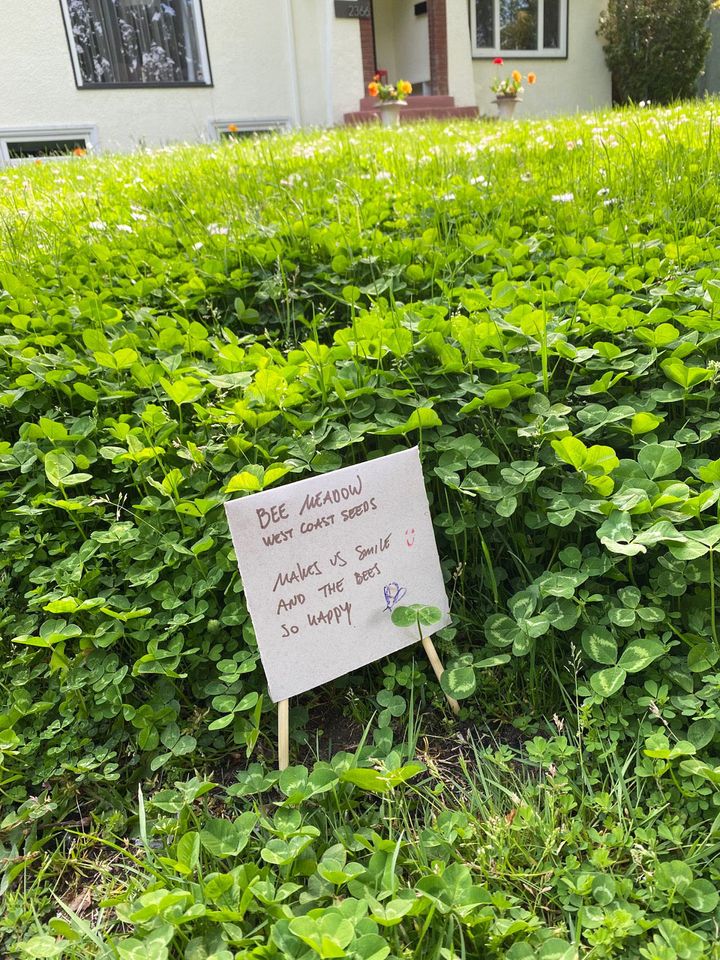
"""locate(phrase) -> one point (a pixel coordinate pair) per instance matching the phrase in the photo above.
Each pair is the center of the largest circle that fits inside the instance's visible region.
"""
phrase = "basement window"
(24, 144)
(240, 129)
(27, 149)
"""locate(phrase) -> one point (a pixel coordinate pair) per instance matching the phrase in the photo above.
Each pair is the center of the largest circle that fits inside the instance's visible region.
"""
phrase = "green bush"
(655, 49)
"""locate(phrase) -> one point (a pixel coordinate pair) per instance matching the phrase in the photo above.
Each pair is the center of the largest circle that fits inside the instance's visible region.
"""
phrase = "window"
(236, 129)
(519, 28)
(24, 144)
(136, 42)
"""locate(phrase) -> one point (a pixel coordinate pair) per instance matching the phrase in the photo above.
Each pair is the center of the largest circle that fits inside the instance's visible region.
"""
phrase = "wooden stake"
(283, 734)
(437, 666)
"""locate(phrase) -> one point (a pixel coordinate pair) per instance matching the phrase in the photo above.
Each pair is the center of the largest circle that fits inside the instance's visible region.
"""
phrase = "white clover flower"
(216, 230)
(97, 225)
(198, 246)
(603, 191)
(290, 180)
(563, 197)
(124, 228)
(480, 181)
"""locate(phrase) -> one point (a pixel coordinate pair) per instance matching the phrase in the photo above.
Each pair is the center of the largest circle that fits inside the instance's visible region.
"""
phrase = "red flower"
(499, 61)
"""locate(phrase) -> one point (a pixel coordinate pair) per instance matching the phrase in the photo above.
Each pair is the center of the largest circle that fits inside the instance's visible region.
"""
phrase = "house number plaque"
(352, 11)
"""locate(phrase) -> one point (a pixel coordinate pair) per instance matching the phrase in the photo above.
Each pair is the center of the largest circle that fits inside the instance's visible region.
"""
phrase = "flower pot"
(506, 106)
(390, 112)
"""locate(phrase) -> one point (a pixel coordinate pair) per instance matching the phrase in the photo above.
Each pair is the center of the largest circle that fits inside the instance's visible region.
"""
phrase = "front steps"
(418, 108)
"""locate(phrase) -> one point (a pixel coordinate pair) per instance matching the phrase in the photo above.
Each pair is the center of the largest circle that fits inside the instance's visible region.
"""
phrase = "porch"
(426, 43)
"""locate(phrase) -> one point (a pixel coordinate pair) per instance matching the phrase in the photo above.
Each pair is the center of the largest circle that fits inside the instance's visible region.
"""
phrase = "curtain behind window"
(136, 41)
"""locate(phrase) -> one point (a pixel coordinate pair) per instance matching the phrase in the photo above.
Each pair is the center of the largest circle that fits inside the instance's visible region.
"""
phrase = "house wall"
(255, 75)
(288, 60)
(709, 81)
(461, 74)
(580, 82)
(346, 79)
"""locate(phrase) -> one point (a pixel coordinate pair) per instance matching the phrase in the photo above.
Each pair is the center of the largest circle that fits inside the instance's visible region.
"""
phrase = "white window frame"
(202, 44)
(216, 128)
(556, 52)
(78, 131)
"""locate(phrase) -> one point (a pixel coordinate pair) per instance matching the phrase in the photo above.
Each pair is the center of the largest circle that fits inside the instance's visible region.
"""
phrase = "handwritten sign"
(325, 561)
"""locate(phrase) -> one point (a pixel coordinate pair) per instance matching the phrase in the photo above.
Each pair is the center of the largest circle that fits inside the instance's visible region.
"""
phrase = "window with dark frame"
(136, 42)
(519, 27)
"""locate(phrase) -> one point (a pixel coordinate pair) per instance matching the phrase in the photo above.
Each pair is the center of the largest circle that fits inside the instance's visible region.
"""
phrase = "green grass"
(534, 304)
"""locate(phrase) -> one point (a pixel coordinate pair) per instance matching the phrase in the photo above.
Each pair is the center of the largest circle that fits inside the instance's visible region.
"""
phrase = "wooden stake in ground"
(437, 666)
(283, 734)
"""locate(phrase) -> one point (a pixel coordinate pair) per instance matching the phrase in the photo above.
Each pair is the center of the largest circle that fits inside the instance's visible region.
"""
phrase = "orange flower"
(531, 78)
(373, 88)
(404, 87)
(517, 76)
(232, 128)
(79, 152)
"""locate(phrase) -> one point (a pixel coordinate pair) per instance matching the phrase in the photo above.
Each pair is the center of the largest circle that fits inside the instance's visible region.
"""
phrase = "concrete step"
(410, 114)
(414, 100)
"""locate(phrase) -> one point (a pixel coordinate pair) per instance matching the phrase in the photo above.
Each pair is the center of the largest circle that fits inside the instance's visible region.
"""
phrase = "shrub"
(655, 49)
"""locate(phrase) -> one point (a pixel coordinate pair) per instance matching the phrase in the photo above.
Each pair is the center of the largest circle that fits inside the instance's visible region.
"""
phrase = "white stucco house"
(116, 74)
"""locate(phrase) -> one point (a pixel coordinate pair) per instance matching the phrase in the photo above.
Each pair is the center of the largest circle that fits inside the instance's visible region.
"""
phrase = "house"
(117, 74)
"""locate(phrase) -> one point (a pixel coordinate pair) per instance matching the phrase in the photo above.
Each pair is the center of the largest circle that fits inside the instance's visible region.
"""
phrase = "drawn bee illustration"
(393, 594)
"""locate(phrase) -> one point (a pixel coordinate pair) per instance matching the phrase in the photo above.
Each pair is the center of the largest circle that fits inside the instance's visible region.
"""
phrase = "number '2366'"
(354, 10)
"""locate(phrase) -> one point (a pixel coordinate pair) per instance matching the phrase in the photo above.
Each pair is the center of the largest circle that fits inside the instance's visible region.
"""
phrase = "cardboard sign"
(325, 561)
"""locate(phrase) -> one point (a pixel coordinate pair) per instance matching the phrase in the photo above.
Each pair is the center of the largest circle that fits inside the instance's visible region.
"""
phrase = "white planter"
(390, 112)
(506, 106)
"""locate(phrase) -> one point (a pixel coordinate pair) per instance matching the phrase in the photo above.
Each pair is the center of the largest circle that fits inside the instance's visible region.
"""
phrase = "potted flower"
(390, 98)
(507, 90)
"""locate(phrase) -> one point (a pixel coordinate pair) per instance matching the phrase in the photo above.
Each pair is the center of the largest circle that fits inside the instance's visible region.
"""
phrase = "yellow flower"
(404, 88)
(517, 76)
(531, 78)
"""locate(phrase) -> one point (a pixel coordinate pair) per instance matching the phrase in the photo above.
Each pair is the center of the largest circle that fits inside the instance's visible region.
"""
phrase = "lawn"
(531, 303)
